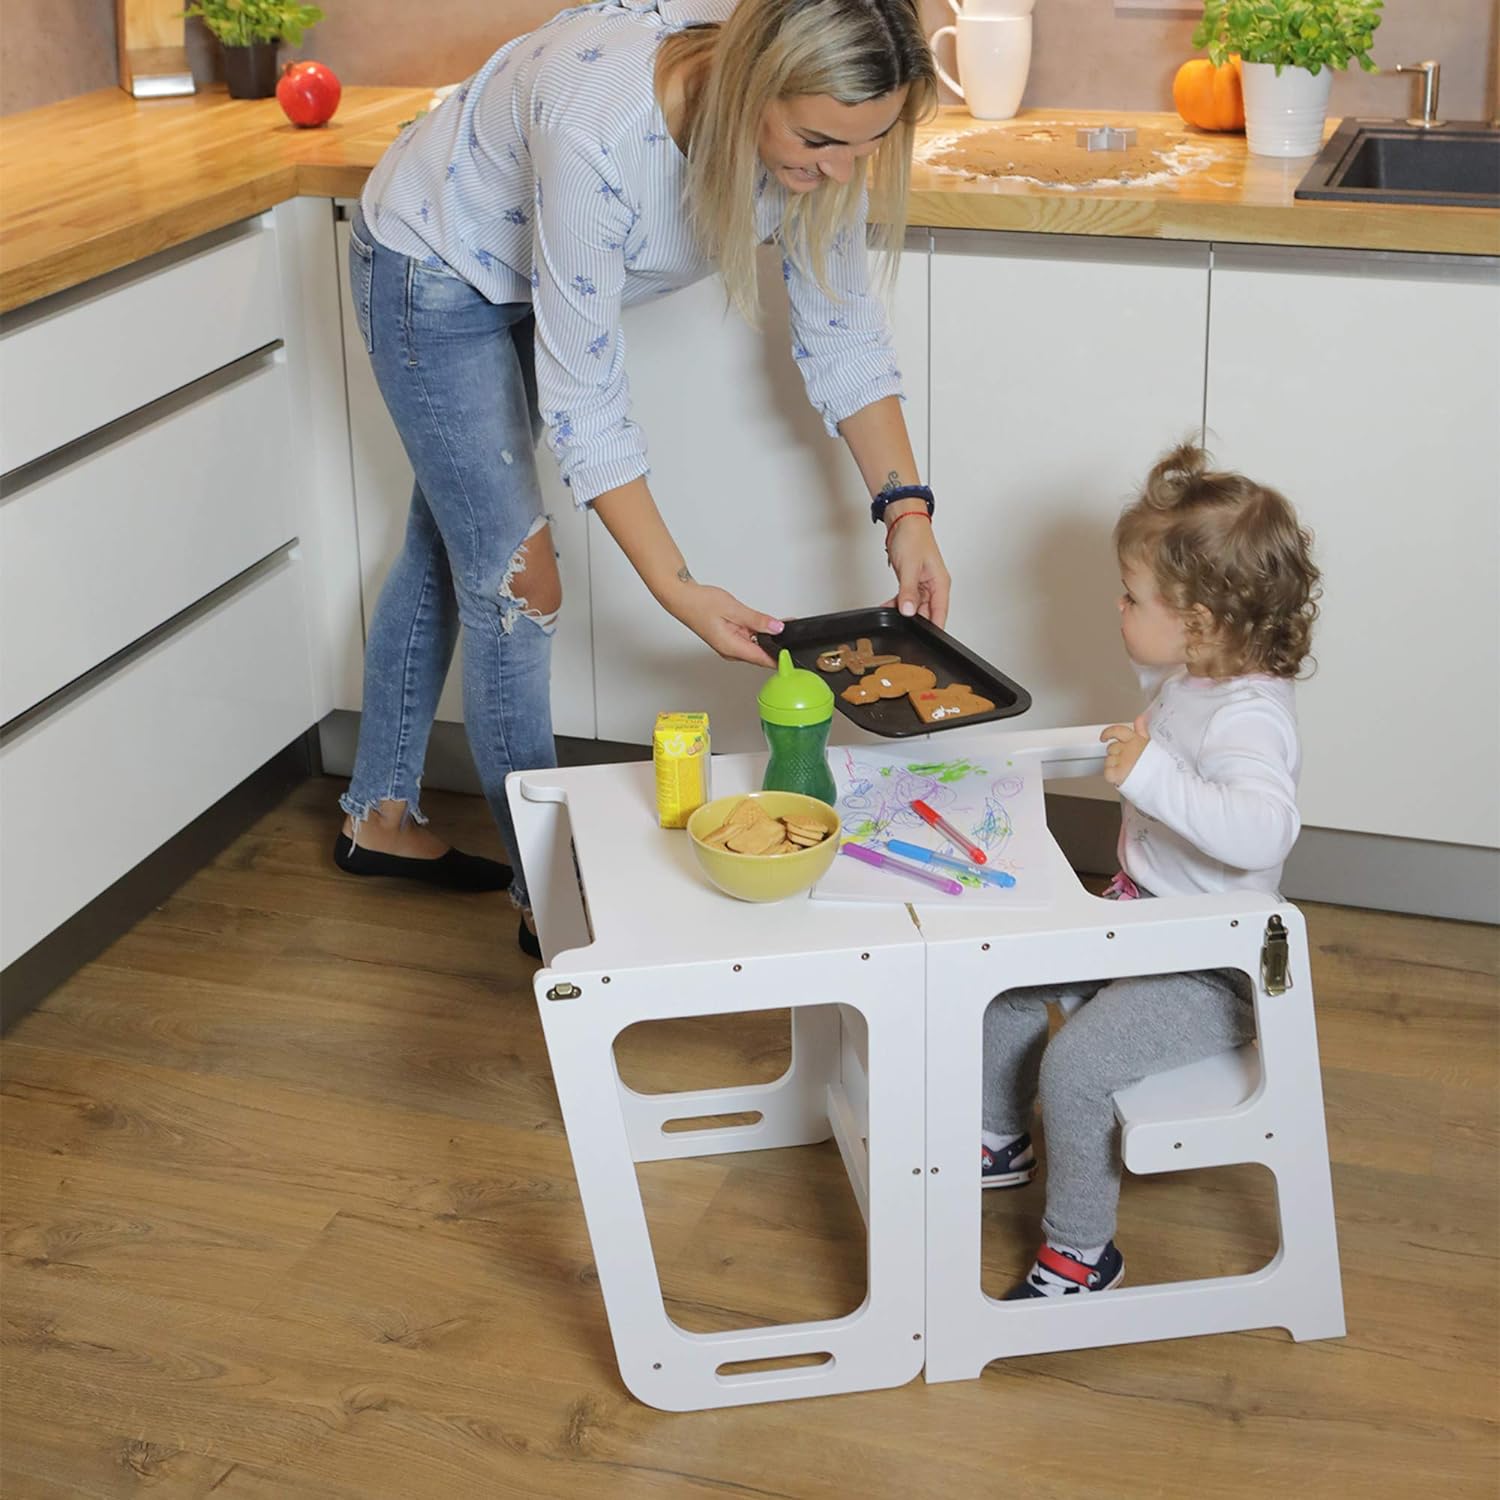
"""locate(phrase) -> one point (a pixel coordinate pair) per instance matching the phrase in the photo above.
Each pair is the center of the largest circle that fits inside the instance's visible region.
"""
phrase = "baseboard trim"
(450, 766)
(28, 980)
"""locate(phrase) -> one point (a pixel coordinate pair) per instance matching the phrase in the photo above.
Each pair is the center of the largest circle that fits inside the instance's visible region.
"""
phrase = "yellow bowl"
(765, 877)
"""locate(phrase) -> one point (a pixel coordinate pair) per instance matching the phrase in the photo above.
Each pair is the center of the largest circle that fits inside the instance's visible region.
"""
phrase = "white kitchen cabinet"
(117, 536)
(75, 361)
(762, 502)
(1061, 368)
(382, 496)
(1367, 389)
(103, 775)
(155, 622)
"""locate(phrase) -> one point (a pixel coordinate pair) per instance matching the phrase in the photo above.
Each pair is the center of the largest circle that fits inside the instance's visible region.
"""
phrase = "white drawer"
(88, 789)
(74, 362)
(114, 542)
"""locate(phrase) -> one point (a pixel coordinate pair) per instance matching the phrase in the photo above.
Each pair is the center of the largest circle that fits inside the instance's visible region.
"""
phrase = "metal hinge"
(564, 992)
(1275, 959)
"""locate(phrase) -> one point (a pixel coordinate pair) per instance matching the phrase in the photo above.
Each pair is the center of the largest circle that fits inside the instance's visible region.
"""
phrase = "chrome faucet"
(1429, 71)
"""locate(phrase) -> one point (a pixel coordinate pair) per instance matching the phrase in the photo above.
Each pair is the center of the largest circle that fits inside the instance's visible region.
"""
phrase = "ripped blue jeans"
(458, 377)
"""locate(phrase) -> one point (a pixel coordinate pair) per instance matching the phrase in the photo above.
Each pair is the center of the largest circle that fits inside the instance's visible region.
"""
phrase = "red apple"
(308, 93)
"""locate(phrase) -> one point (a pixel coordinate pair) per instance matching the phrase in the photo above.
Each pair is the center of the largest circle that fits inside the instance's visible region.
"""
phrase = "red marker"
(975, 854)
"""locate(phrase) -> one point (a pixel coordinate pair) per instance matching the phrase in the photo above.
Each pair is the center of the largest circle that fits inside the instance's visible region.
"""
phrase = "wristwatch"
(900, 492)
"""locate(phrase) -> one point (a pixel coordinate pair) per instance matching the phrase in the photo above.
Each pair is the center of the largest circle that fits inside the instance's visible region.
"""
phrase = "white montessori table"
(631, 931)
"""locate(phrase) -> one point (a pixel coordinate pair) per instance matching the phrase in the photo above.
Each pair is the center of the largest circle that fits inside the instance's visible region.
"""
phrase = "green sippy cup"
(796, 713)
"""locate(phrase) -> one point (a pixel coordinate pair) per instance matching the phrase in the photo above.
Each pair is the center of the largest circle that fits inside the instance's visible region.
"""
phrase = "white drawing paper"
(993, 798)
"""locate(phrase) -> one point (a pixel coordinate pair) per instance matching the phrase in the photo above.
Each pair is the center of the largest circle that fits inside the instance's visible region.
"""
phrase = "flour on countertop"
(1046, 155)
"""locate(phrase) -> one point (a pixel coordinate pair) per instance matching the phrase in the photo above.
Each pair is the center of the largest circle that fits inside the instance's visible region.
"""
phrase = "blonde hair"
(850, 50)
(1220, 541)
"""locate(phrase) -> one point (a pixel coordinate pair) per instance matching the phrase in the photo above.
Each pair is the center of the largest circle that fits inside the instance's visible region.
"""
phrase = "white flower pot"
(1284, 115)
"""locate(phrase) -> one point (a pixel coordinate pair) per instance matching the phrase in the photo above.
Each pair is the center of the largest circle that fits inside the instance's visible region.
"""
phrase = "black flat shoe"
(531, 944)
(454, 871)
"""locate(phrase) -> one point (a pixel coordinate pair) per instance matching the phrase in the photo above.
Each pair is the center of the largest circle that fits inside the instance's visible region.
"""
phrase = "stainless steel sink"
(1386, 161)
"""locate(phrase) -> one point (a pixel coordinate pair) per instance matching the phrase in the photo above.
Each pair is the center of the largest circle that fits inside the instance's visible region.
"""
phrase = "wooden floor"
(288, 1211)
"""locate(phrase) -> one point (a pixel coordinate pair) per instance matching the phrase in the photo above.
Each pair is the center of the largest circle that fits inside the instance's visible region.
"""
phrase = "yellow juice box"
(679, 749)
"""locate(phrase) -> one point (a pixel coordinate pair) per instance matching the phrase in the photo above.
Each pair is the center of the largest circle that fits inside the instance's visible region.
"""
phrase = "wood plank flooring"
(286, 1210)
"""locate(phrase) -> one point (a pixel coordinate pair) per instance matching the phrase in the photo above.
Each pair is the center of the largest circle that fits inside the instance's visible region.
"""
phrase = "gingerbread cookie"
(933, 705)
(893, 682)
(889, 682)
(858, 658)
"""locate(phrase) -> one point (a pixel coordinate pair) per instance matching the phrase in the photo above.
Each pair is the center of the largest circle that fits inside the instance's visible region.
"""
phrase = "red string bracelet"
(905, 516)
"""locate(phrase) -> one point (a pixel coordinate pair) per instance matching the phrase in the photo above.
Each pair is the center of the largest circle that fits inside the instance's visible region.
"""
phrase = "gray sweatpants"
(1126, 1029)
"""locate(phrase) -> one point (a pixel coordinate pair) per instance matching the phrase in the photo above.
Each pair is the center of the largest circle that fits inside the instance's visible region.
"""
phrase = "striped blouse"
(550, 177)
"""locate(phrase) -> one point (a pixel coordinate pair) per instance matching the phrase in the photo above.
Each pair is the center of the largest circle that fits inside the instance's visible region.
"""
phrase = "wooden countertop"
(1202, 186)
(97, 182)
(102, 180)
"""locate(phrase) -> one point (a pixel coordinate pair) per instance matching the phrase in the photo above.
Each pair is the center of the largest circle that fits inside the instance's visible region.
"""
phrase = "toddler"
(1216, 616)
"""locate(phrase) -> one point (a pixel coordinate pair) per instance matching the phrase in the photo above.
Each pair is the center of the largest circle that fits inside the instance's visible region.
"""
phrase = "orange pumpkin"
(1208, 97)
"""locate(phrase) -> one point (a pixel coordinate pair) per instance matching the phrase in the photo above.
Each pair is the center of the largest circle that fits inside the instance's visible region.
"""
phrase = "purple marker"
(900, 867)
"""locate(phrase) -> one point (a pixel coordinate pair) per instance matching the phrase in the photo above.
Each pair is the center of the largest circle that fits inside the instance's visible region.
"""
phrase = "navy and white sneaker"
(1061, 1273)
(1011, 1166)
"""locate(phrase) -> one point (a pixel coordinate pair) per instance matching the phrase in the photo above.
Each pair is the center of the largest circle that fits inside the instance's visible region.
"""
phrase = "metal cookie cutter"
(1107, 137)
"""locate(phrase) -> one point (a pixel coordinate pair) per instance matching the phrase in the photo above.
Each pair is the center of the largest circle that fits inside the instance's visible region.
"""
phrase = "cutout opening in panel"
(704, 1052)
(748, 1238)
(1171, 1225)
(737, 1368)
(687, 1123)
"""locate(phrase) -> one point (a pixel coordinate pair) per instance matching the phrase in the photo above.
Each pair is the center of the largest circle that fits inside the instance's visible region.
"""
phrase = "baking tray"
(917, 642)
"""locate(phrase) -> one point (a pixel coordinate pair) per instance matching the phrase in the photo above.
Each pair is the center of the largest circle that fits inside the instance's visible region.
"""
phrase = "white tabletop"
(1065, 754)
(651, 906)
(649, 903)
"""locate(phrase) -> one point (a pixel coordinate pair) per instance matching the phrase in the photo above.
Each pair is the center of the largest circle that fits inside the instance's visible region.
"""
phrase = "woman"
(620, 152)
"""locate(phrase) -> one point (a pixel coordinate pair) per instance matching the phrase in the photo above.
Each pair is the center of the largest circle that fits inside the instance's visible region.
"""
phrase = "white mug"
(992, 7)
(994, 57)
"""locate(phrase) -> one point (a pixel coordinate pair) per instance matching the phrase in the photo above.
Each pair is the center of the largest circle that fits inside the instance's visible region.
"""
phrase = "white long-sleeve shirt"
(550, 177)
(1211, 805)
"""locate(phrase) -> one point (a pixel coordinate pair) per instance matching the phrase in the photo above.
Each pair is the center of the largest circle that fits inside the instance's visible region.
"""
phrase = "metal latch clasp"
(564, 991)
(1275, 959)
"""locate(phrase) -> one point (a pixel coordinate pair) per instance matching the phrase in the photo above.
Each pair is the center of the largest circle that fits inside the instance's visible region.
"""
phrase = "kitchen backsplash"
(1086, 55)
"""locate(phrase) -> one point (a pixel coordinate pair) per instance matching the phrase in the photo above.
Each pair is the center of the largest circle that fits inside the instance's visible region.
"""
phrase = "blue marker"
(927, 857)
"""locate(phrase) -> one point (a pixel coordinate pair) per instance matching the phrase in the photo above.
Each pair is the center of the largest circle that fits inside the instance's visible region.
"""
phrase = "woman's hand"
(718, 619)
(630, 516)
(922, 581)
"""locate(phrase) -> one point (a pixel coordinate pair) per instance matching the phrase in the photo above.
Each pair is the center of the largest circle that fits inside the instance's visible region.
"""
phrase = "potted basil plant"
(249, 32)
(1290, 50)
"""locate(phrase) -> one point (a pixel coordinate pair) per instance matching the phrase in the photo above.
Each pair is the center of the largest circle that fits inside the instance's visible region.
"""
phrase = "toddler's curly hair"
(1216, 539)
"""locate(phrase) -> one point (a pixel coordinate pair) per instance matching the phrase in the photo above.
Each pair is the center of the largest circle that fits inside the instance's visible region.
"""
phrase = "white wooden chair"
(631, 932)
(1262, 1103)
